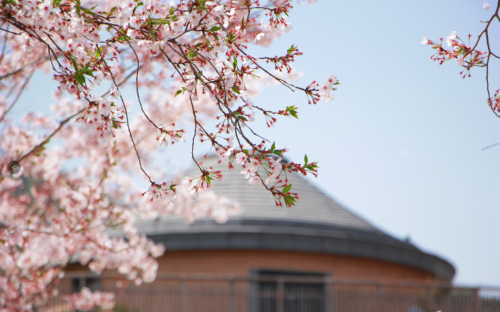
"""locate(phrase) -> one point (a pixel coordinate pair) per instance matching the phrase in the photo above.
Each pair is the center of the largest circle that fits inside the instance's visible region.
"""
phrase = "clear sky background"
(402, 143)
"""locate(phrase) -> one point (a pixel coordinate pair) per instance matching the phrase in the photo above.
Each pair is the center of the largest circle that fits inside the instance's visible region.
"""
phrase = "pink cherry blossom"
(255, 180)
(241, 158)
(469, 56)
(126, 92)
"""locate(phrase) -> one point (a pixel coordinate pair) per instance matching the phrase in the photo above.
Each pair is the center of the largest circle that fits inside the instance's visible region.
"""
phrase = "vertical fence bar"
(328, 295)
(231, 296)
(380, 298)
(286, 294)
(280, 296)
(429, 304)
(476, 300)
(183, 296)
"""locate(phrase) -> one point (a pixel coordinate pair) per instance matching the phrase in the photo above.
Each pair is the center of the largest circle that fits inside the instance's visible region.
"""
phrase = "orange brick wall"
(241, 262)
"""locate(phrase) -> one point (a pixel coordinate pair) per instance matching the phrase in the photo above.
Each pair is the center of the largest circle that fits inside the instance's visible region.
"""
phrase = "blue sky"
(402, 143)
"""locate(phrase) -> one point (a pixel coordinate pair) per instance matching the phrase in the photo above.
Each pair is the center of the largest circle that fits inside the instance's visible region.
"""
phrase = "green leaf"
(290, 200)
(78, 8)
(123, 37)
(273, 147)
(201, 4)
(172, 10)
(311, 167)
(305, 159)
(236, 90)
(80, 79)
(74, 64)
(178, 92)
(214, 28)
(292, 111)
(208, 179)
(287, 188)
(86, 71)
(98, 52)
(88, 11)
(161, 21)
(56, 2)
(112, 10)
(115, 125)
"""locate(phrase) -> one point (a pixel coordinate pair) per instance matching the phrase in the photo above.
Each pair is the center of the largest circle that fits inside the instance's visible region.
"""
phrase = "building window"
(288, 291)
(92, 283)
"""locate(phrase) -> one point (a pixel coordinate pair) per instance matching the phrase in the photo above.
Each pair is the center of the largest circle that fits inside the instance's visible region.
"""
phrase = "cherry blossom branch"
(26, 81)
(468, 57)
(41, 60)
(11, 32)
(45, 141)
(137, 86)
(196, 43)
(128, 125)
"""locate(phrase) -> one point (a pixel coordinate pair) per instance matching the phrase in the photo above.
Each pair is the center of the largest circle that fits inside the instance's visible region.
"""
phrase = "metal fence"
(280, 294)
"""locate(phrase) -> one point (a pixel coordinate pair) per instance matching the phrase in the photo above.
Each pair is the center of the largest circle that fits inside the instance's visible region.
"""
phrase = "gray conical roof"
(315, 224)
(313, 206)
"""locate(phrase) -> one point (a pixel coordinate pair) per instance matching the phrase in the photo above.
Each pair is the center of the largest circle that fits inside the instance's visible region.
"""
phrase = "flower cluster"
(468, 56)
(464, 54)
(327, 88)
(166, 135)
(494, 102)
(186, 64)
(87, 300)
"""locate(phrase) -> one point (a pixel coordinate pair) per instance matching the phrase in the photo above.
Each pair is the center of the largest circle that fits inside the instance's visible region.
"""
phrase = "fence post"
(477, 306)
(430, 305)
(329, 294)
(280, 296)
(380, 298)
(183, 295)
(231, 295)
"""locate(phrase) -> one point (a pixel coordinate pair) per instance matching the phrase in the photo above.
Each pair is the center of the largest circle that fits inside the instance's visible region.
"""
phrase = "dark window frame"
(92, 283)
(283, 291)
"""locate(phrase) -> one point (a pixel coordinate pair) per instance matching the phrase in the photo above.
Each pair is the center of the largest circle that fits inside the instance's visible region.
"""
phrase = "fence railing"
(279, 294)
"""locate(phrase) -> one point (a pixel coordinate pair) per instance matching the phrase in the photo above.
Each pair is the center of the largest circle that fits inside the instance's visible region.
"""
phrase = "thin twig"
(128, 125)
(61, 124)
(10, 32)
(490, 146)
(17, 97)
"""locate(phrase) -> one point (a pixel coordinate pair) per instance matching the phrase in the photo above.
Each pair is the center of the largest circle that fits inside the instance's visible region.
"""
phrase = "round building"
(316, 237)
